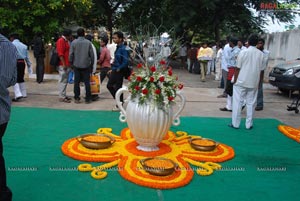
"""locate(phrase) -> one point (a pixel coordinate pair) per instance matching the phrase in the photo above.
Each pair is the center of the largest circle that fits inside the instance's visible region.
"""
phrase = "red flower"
(170, 72)
(139, 65)
(157, 91)
(151, 79)
(139, 78)
(170, 98)
(137, 88)
(129, 78)
(180, 86)
(162, 62)
(152, 68)
(145, 91)
(162, 78)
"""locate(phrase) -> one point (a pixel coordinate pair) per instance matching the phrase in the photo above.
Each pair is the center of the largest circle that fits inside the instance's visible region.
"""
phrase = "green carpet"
(266, 165)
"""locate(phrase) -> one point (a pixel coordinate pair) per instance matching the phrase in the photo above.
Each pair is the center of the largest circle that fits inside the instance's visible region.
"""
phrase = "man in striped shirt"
(8, 77)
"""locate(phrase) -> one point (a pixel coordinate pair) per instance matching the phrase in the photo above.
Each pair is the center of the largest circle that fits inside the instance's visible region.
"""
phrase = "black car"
(286, 76)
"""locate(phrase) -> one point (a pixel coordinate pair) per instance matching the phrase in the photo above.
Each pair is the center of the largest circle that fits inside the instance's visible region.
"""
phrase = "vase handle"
(122, 117)
(176, 120)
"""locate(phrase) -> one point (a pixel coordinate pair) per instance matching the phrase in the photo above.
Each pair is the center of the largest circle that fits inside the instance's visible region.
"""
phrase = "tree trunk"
(216, 24)
(110, 25)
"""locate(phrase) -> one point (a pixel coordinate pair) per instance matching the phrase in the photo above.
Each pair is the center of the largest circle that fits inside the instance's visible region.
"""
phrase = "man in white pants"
(246, 80)
(224, 65)
(231, 68)
(23, 59)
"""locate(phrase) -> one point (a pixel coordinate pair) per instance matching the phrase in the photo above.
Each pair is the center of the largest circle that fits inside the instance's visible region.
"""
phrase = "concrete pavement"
(201, 99)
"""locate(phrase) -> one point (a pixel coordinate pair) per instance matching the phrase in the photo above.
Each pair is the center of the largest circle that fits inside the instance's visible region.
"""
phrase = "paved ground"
(201, 99)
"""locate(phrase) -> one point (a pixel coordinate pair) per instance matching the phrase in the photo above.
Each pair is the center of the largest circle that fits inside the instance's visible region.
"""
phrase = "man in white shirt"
(241, 46)
(225, 57)
(165, 52)
(231, 68)
(246, 79)
(112, 48)
(183, 55)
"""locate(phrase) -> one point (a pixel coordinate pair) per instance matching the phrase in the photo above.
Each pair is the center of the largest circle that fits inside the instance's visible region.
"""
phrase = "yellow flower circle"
(85, 167)
(98, 174)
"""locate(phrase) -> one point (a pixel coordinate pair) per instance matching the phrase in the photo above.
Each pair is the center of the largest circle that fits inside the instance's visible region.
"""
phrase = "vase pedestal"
(147, 148)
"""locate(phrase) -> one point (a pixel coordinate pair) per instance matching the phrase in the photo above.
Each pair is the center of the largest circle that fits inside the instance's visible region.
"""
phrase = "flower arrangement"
(155, 83)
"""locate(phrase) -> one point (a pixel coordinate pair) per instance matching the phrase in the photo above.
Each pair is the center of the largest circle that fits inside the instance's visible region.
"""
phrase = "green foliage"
(192, 20)
(27, 17)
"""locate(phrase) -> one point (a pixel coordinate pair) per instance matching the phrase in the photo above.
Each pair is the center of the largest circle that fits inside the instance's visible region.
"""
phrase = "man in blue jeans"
(82, 58)
(260, 95)
(116, 76)
(8, 77)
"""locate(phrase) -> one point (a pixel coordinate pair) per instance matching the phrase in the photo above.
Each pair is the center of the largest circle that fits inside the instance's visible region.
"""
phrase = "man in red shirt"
(104, 59)
(63, 47)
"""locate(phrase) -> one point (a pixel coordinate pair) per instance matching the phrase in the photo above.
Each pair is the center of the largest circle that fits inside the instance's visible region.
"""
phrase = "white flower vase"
(147, 123)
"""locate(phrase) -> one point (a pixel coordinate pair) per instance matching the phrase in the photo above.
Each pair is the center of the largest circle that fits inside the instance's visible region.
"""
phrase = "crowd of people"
(238, 67)
(78, 60)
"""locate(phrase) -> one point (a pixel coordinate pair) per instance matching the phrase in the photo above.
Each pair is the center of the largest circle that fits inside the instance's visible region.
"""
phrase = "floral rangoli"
(126, 157)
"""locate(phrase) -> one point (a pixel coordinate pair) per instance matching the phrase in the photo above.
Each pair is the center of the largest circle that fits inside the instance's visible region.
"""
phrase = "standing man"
(165, 52)
(19, 87)
(241, 45)
(205, 54)
(183, 55)
(224, 64)
(8, 77)
(232, 62)
(63, 48)
(82, 59)
(104, 59)
(260, 95)
(39, 54)
(192, 57)
(246, 79)
(115, 81)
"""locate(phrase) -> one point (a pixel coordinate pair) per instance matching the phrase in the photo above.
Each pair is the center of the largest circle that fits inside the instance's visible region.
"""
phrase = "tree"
(207, 19)
(49, 16)
(106, 13)
(190, 19)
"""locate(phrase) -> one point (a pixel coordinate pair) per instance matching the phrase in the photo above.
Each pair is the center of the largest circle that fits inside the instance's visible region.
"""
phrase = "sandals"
(224, 109)
(65, 100)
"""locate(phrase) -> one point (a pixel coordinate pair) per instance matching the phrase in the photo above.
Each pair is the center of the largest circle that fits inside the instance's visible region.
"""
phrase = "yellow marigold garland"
(107, 131)
(97, 172)
(85, 167)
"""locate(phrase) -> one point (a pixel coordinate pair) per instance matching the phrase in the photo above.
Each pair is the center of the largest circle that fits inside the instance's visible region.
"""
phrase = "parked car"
(286, 76)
